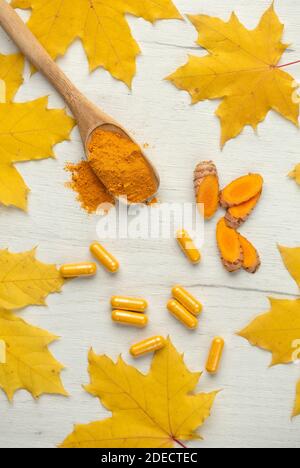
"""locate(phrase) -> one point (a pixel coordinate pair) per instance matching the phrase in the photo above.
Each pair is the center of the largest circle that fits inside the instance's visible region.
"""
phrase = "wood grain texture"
(254, 407)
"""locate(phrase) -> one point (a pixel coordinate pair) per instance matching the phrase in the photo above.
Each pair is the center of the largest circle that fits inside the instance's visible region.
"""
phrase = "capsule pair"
(185, 307)
(188, 246)
(129, 311)
(156, 343)
(73, 270)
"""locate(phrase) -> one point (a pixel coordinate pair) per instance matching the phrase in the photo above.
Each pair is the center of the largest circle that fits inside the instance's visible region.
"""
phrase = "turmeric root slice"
(251, 262)
(237, 215)
(206, 182)
(241, 190)
(230, 247)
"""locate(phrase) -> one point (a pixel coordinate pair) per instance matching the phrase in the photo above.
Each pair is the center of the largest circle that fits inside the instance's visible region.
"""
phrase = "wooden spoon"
(88, 116)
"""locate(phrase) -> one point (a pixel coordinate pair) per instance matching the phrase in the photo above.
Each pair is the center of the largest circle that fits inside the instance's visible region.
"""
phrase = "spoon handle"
(39, 57)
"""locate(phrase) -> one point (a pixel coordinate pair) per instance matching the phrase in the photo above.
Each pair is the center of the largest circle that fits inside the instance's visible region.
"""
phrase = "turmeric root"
(237, 215)
(241, 190)
(206, 182)
(251, 262)
(230, 247)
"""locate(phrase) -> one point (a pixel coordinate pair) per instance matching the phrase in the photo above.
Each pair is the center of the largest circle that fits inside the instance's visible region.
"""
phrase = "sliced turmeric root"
(206, 182)
(237, 215)
(241, 190)
(230, 247)
(251, 262)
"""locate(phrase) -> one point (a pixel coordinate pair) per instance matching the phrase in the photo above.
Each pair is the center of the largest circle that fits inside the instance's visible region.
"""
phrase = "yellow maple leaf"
(11, 72)
(291, 258)
(26, 281)
(153, 410)
(28, 131)
(100, 24)
(295, 174)
(277, 330)
(242, 69)
(27, 362)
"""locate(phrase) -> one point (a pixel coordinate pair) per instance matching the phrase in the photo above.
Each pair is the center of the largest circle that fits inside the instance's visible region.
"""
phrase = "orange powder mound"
(121, 166)
(91, 192)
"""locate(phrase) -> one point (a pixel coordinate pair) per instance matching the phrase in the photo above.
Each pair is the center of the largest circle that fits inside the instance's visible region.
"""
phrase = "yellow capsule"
(188, 246)
(104, 257)
(182, 314)
(215, 355)
(73, 270)
(187, 300)
(133, 304)
(133, 319)
(148, 346)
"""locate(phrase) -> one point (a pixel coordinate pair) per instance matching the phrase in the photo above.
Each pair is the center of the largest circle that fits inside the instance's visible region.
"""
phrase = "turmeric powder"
(91, 192)
(121, 166)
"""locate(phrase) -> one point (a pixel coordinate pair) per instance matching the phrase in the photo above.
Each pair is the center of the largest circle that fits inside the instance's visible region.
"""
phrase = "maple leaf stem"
(180, 443)
(287, 64)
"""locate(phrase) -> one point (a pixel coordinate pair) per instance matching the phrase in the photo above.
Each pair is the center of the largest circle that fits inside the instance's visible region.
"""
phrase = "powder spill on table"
(91, 191)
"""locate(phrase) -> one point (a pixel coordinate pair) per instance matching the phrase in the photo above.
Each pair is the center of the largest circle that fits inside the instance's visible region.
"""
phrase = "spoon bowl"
(112, 127)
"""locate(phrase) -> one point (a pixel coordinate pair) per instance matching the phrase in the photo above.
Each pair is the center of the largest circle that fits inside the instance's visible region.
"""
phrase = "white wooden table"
(255, 406)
